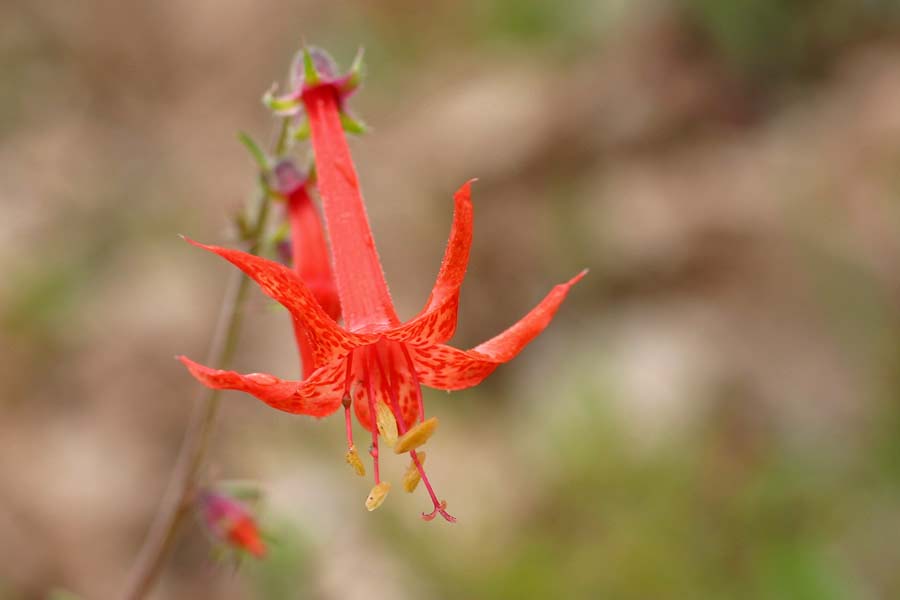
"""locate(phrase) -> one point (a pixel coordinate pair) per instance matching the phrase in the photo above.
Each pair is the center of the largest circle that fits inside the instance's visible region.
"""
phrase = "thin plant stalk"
(178, 499)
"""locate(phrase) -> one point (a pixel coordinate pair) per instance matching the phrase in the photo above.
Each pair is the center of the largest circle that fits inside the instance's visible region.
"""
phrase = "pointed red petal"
(437, 321)
(365, 300)
(307, 359)
(505, 346)
(327, 341)
(318, 396)
(447, 368)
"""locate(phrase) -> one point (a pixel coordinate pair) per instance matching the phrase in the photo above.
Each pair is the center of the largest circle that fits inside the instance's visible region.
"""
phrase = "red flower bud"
(231, 522)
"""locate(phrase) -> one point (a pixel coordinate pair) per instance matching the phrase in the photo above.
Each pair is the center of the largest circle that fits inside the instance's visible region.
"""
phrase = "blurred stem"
(179, 496)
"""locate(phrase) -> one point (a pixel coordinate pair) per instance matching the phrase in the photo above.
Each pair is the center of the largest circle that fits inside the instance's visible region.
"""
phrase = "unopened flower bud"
(312, 68)
(231, 522)
(288, 178)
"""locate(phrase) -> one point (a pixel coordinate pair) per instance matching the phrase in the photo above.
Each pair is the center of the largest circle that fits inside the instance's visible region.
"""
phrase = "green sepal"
(356, 73)
(281, 105)
(353, 125)
(259, 157)
(310, 75)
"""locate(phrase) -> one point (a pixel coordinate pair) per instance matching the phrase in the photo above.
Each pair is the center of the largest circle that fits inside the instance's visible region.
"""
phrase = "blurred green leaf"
(287, 570)
(60, 594)
(259, 157)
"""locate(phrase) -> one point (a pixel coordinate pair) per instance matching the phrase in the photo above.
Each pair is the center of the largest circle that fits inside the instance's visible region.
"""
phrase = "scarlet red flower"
(229, 521)
(374, 364)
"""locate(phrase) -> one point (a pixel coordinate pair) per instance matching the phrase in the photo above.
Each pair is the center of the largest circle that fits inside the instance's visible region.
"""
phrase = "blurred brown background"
(713, 414)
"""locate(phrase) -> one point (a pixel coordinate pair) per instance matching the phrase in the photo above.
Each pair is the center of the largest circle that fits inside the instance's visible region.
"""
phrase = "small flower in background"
(308, 250)
(230, 522)
(374, 364)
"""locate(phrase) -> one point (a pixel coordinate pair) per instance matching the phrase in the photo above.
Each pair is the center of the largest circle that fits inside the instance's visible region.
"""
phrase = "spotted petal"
(326, 340)
(447, 368)
(319, 395)
(387, 370)
(437, 321)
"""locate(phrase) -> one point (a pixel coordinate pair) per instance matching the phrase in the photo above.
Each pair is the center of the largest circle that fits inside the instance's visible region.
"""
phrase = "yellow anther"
(416, 436)
(377, 495)
(387, 425)
(411, 477)
(353, 460)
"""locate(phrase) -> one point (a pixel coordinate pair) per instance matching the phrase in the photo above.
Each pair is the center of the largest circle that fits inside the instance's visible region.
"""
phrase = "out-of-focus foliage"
(289, 568)
(782, 39)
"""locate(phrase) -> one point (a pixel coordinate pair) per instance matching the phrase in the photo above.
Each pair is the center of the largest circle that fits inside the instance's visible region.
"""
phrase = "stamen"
(442, 509)
(352, 456)
(377, 495)
(416, 436)
(354, 461)
(411, 478)
(439, 506)
(387, 425)
(371, 393)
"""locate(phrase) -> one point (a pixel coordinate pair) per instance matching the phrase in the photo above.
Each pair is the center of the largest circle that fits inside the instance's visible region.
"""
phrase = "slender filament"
(393, 392)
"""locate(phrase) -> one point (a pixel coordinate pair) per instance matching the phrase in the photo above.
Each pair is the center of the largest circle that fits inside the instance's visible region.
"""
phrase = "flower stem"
(179, 496)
